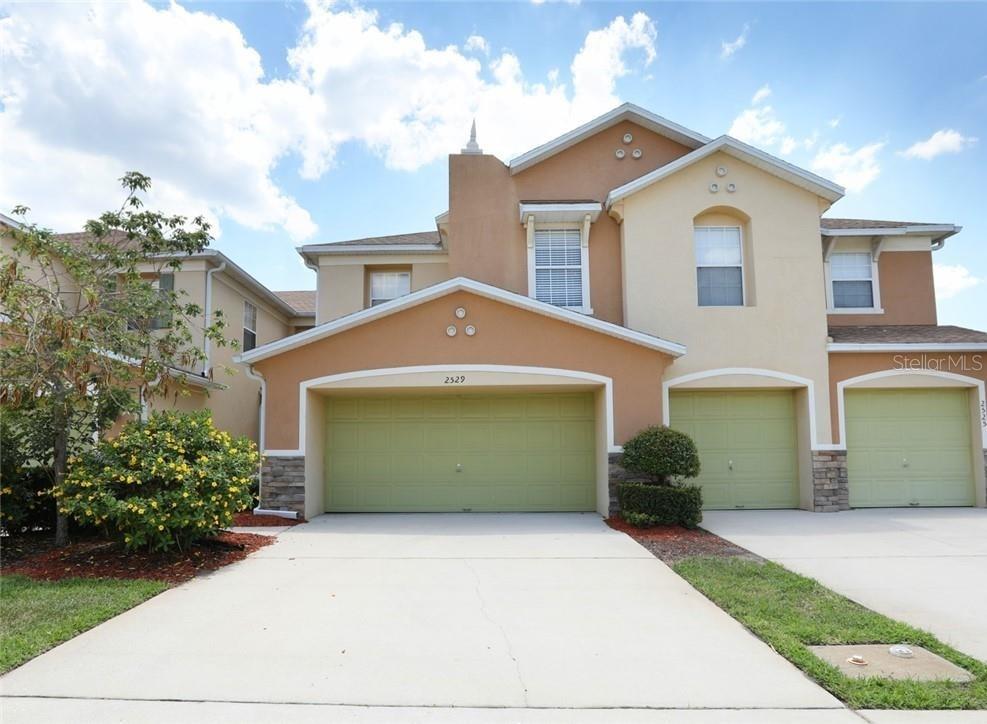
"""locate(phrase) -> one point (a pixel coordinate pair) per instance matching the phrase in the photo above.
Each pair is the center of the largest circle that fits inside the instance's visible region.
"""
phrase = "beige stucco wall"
(417, 336)
(783, 327)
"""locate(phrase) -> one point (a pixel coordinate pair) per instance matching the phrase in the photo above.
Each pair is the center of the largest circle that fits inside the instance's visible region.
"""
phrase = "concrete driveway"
(924, 566)
(498, 612)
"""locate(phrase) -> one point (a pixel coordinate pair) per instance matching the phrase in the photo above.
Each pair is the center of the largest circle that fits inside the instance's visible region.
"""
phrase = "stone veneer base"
(282, 485)
(830, 484)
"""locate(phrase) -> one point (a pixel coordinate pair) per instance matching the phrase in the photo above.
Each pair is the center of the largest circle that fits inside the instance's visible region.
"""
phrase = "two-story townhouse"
(254, 316)
(628, 273)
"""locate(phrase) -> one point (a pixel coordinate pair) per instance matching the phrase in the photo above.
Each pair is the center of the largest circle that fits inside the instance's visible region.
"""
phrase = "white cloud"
(854, 169)
(951, 279)
(762, 93)
(728, 48)
(758, 126)
(90, 92)
(944, 141)
(788, 144)
(477, 44)
(553, 76)
(834, 122)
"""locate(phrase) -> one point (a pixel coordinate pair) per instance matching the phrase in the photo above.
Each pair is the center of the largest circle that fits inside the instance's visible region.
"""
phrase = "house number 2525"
(455, 379)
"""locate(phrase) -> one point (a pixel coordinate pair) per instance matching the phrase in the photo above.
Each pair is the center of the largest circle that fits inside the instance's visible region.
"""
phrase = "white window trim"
(743, 270)
(399, 272)
(831, 307)
(531, 224)
(247, 303)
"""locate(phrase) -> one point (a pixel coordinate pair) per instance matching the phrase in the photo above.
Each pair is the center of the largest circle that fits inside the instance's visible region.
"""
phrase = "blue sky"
(290, 122)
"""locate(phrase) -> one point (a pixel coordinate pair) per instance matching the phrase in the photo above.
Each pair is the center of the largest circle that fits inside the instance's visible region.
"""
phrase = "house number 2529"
(455, 379)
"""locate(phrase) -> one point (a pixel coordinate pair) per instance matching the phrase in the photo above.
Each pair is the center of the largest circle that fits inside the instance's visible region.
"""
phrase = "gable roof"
(754, 156)
(417, 242)
(302, 301)
(447, 287)
(625, 112)
(876, 227)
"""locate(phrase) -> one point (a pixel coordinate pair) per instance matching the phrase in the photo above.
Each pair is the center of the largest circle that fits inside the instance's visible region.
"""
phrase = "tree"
(89, 327)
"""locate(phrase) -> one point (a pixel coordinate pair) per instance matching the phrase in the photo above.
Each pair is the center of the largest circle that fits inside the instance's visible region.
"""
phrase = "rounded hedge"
(162, 483)
(662, 453)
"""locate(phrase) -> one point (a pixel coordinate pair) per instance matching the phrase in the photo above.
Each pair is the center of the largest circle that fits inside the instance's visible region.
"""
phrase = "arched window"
(719, 243)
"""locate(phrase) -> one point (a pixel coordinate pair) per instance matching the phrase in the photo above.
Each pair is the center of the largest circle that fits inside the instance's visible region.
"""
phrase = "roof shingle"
(907, 334)
(871, 224)
(414, 238)
(301, 300)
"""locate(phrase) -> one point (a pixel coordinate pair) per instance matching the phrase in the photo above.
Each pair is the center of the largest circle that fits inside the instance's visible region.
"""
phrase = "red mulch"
(106, 559)
(245, 520)
(672, 543)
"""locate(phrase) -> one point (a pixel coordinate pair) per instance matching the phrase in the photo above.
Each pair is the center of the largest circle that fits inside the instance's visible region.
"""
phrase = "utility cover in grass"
(922, 666)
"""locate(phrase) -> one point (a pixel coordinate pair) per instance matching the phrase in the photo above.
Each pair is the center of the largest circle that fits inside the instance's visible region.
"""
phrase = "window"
(249, 326)
(719, 266)
(559, 267)
(388, 285)
(163, 285)
(853, 280)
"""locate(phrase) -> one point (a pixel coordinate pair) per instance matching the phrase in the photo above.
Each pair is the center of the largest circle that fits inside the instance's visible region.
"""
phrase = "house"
(631, 272)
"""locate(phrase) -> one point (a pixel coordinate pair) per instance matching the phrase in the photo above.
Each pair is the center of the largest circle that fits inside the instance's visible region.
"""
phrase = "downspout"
(261, 435)
(315, 268)
(207, 316)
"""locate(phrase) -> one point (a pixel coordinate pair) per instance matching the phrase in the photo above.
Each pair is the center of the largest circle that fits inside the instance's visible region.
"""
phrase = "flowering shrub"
(25, 487)
(162, 483)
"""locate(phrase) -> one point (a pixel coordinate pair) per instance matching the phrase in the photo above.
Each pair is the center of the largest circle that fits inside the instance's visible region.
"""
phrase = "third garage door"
(747, 445)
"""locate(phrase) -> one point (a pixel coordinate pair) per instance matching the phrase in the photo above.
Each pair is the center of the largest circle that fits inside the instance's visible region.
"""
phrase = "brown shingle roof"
(80, 237)
(302, 300)
(871, 224)
(907, 334)
(414, 238)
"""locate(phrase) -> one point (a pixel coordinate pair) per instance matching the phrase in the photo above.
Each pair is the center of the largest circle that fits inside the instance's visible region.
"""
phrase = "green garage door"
(512, 452)
(747, 445)
(909, 447)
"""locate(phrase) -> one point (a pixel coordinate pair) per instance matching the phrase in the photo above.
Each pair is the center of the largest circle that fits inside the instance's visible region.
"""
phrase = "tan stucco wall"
(783, 327)
(908, 294)
(487, 241)
(237, 408)
(505, 335)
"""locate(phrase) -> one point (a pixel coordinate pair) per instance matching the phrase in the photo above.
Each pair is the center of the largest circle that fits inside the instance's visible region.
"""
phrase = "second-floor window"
(719, 266)
(388, 285)
(852, 275)
(558, 267)
(249, 326)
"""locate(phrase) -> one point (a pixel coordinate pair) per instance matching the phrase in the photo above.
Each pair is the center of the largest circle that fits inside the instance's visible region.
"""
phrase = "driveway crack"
(499, 627)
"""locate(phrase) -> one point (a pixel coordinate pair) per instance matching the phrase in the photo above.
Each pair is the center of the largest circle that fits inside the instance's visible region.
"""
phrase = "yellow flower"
(160, 527)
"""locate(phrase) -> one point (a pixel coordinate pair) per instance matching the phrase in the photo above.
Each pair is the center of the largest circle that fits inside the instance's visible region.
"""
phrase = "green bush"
(644, 505)
(162, 483)
(664, 454)
(25, 487)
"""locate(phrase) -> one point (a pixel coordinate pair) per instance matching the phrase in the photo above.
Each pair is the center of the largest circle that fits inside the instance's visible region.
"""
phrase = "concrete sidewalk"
(488, 611)
(923, 566)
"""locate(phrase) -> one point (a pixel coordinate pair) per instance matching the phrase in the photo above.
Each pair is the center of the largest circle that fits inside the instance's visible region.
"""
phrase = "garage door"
(524, 452)
(747, 445)
(909, 447)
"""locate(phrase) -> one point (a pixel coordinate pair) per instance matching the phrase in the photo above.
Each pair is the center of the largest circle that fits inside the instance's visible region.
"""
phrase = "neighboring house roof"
(754, 156)
(447, 287)
(12, 223)
(876, 227)
(625, 112)
(302, 301)
(916, 337)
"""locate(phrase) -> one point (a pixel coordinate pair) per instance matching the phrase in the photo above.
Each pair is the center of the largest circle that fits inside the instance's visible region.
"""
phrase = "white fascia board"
(765, 161)
(447, 287)
(318, 250)
(443, 217)
(12, 223)
(627, 111)
(560, 212)
(906, 347)
(936, 231)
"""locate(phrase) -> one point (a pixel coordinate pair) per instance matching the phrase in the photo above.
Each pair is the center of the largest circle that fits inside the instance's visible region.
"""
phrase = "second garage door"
(747, 445)
(909, 447)
(507, 452)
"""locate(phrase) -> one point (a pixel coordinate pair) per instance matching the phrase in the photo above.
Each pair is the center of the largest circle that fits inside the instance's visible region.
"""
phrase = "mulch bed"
(106, 559)
(672, 543)
(249, 520)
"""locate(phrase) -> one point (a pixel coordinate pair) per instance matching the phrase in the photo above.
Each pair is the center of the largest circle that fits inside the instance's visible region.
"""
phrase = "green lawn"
(37, 615)
(790, 612)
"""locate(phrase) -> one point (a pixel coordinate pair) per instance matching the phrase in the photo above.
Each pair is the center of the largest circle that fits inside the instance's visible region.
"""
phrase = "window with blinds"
(558, 267)
(719, 266)
(853, 280)
(249, 326)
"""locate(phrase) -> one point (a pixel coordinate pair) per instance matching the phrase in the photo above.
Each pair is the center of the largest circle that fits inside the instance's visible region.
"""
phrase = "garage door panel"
(909, 447)
(516, 452)
(747, 445)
